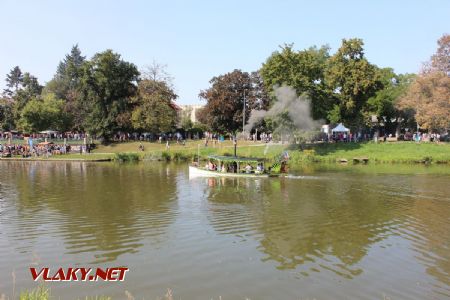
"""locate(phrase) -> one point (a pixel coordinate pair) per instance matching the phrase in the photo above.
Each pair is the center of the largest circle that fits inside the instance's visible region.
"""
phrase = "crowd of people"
(233, 167)
(39, 150)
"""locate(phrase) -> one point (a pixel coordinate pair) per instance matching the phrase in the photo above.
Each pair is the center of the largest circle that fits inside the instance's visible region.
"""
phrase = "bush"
(127, 157)
(166, 156)
(179, 156)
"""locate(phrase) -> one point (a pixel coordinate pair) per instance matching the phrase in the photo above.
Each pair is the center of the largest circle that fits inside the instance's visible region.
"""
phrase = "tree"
(69, 70)
(353, 81)
(30, 89)
(302, 70)
(38, 115)
(440, 61)
(66, 85)
(7, 121)
(429, 95)
(107, 85)
(384, 103)
(157, 72)
(13, 81)
(223, 111)
(154, 109)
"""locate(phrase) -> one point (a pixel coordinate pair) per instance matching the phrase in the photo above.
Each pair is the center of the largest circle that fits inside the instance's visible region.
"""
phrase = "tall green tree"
(7, 121)
(154, 109)
(68, 73)
(302, 70)
(353, 81)
(42, 114)
(383, 104)
(107, 85)
(30, 89)
(223, 111)
(14, 80)
(66, 85)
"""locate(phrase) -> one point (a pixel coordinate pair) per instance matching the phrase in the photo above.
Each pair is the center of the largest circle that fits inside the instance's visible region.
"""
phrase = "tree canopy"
(223, 111)
(429, 95)
(302, 70)
(353, 81)
(107, 83)
(154, 108)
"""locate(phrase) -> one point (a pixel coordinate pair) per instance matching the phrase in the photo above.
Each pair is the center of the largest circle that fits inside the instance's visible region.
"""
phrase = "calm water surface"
(322, 234)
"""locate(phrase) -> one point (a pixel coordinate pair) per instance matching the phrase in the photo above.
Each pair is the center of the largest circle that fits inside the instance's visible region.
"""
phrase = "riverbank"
(381, 153)
(398, 152)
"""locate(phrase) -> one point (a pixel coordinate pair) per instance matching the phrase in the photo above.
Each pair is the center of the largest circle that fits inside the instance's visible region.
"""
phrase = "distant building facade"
(191, 111)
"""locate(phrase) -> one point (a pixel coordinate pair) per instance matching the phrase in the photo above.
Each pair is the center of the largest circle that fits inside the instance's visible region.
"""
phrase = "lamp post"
(243, 119)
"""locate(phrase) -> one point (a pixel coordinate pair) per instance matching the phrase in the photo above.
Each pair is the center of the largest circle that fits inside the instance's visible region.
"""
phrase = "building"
(191, 110)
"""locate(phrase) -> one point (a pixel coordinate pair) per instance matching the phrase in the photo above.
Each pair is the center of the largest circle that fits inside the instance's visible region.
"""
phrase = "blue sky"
(202, 39)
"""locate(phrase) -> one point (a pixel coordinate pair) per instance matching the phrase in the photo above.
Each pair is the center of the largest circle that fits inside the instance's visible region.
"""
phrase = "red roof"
(174, 105)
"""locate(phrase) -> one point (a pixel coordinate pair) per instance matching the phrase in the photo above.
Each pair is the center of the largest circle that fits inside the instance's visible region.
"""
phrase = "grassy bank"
(400, 152)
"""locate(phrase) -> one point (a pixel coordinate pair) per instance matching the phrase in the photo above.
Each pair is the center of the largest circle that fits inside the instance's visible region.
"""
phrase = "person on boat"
(235, 168)
(259, 168)
(223, 169)
(248, 169)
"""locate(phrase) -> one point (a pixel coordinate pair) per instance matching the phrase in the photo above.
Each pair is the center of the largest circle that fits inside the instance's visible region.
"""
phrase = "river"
(323, 234)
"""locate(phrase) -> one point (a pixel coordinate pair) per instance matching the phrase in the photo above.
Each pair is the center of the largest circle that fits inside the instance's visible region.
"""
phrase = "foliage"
(42, 114)
(66, 84)
(107, 84)
(384, 103)
(304, 71)
(440, 61)
(68, 74)
(353, 81)
(157, 72)
(40, 293)
(13, 81)
(7, 121)
(127, 157)
(30, 89)
(223, 111)
(154, 109)
(429, 95)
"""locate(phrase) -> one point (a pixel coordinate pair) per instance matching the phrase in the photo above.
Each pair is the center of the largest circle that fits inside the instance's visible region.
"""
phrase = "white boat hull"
(195, 172)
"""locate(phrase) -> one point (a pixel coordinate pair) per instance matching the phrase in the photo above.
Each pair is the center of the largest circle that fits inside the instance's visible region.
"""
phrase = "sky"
(202, 39)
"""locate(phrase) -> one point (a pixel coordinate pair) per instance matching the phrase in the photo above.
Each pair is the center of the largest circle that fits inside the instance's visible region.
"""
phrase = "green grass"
(43, 293)
(401, 152)
(39, 293)
(398, 152)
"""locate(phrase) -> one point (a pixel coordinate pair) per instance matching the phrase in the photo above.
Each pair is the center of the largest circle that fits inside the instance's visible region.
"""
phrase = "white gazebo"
(340, 128)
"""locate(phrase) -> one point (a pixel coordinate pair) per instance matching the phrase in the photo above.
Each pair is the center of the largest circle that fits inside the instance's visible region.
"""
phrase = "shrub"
(127, 157)
(166, 156)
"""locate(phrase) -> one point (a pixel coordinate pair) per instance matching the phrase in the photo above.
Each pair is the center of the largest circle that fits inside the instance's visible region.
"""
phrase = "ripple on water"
(341, 236)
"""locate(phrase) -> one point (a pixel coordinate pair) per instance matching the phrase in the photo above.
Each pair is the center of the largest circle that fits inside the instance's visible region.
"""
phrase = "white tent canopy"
(49, 132)
(340, 128)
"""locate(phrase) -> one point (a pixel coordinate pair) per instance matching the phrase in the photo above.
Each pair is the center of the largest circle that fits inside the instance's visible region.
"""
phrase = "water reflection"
(331, 223)
(327, 234)
(105, 210)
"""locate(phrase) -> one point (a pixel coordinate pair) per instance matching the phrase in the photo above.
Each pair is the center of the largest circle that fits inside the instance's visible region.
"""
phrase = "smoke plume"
(298, 109)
